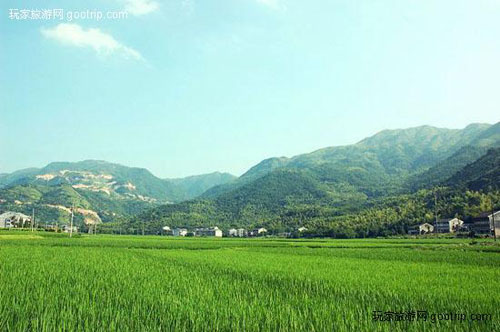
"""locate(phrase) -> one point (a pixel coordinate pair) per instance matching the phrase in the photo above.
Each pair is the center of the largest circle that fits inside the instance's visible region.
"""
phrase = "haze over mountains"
(341, 179)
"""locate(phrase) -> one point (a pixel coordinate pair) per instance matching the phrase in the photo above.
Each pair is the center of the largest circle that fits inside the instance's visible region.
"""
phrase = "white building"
(302, 229)
(449, 225)
(210, 231)
(425, 228)
(14, 219)
(179, 232)
(5, 221)
(258, 231)
(241, 232)
(67, 229)
(495, 222)
(421, 229)
(166, 230)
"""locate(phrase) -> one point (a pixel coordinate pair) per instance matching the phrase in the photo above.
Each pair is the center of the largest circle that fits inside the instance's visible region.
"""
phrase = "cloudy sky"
(185, 87)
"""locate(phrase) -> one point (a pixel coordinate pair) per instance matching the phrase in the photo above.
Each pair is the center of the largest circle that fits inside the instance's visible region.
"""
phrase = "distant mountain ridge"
(482, 173)
(195, 185)
(387, 155)
(105, 188)
(339, 180)
(99, 175)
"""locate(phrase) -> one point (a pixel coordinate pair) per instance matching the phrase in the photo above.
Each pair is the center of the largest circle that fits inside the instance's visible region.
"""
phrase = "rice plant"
(113, 283)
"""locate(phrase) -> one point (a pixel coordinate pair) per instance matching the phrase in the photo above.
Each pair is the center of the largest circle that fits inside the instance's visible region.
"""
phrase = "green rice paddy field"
(49, 282)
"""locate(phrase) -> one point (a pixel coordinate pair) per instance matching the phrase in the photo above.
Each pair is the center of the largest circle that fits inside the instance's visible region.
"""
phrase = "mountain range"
(337, 182)
(108, 189)
(278, 192)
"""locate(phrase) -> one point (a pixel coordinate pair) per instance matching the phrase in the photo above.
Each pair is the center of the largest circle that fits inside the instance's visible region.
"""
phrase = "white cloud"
(102, 43)
(141, 7)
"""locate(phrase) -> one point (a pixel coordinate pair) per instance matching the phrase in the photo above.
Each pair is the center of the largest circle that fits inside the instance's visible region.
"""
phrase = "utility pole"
(71, 224)
(435, 208)
(32, 219)
(493, 221)
(492, 210)
(493, 217)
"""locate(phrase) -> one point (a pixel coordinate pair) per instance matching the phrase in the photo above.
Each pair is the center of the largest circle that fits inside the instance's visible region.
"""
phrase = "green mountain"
(442, 169)
(385, 163)
(100, 176)
(51, 204)
(194, 186)
(477, 147)
(14, 177)
(482, 173)
(108, 189)
(380, 184)
(249, 205)
(334, 182)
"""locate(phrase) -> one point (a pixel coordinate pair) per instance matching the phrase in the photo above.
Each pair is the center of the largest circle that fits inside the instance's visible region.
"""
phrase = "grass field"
(49, 282)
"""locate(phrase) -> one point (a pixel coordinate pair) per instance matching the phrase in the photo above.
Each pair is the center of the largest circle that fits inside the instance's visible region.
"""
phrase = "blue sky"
(184, 87)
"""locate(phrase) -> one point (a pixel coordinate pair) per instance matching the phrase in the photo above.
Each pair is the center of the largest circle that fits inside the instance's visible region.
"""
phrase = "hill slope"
(387, 162)
(194, 186)
(100, 176)
(107, 189)
(482, 173)
(337, 181)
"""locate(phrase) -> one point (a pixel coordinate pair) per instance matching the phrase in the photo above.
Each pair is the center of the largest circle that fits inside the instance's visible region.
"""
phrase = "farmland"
(132, 283)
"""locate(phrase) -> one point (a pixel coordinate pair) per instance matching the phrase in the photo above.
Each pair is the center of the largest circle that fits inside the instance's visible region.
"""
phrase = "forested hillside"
(110, 190)
(383, 183)
(194, 186)
(380, 185)
(484, 173)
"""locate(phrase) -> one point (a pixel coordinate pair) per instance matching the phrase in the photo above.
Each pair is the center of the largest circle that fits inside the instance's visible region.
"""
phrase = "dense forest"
(385, 216)
(284, 200)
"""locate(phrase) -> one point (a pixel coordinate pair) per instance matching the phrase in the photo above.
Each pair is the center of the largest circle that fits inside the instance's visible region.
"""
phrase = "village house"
(479, 224)
(166, 230)
(5, 221)
(67, 229)
(241, 232)
(425, 228)
(208, 231)
(14, 219)
(485, 223)
(302, 229)
(495, 222)
(258, 232)
(448, 225)
(51, 228)
(179, 232)
(421, 229)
